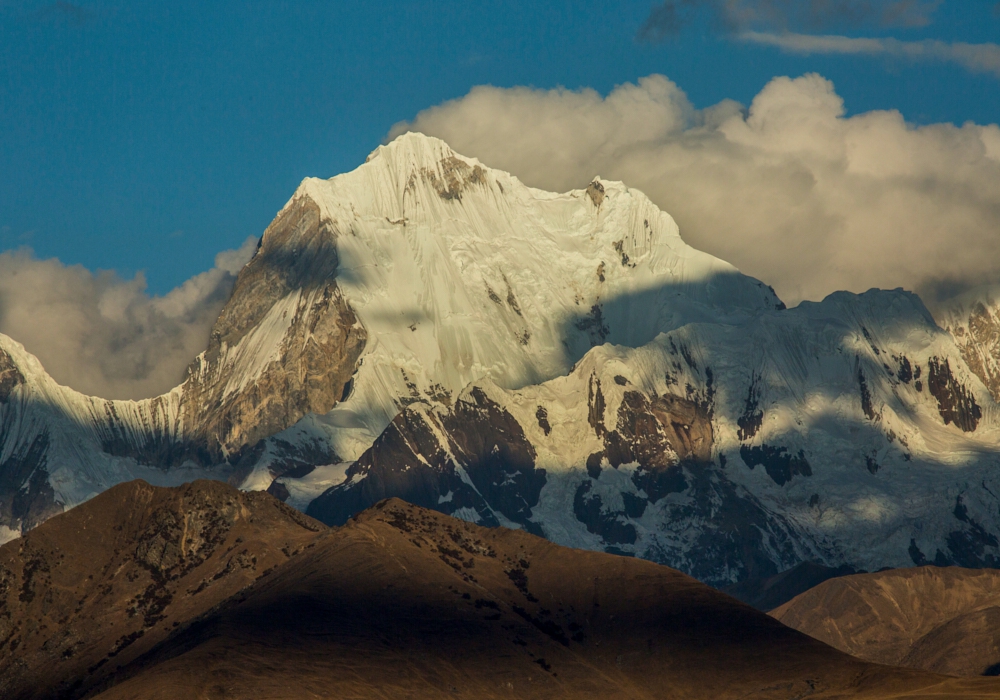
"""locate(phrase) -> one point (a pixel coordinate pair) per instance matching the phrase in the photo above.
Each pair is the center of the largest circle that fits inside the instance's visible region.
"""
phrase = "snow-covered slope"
(845, 432)
(404, 280)
(57, 446)
(458, 272)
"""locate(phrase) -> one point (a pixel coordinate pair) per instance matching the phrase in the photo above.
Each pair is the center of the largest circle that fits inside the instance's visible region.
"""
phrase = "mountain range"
(428, 328)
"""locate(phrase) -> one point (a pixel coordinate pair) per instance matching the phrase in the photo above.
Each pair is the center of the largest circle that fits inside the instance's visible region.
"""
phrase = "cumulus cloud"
(980, 58)
(790, 190)
(104, 335)
(735, 16)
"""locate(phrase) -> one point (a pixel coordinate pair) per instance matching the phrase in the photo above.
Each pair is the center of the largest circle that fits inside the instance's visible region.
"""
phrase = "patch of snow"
(469, 515)
(304, 490)
(8, 535)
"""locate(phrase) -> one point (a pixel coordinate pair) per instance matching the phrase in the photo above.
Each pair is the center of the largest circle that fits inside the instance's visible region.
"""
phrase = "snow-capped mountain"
(419, 272)
(429, 328)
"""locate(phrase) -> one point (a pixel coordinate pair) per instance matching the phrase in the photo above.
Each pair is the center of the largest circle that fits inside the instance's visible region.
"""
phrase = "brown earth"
(406, 602)
(400, 602)
(942, 619)
(88, 591)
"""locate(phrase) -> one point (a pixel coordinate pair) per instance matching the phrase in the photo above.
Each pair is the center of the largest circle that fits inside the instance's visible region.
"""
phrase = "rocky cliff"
(974, 320)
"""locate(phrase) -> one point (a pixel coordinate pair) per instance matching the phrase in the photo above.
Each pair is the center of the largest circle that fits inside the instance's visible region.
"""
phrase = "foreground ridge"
(399, 601)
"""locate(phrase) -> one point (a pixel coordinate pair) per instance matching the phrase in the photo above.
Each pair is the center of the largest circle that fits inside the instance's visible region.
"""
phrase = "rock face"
(401, 602)
(286, 345)
(974, 320)
(98, 586)
(939, 619)
(475, 458)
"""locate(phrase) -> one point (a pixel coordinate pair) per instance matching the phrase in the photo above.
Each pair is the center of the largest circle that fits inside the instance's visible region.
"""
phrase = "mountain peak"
(416, 147)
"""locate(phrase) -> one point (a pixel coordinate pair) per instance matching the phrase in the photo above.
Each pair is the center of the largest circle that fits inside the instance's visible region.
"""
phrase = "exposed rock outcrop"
(285, 345)
(473, 459)
(974, 321)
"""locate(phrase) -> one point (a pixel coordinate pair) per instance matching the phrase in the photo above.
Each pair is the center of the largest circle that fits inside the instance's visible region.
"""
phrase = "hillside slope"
(939, 619)
(92, 589)
(406, 602)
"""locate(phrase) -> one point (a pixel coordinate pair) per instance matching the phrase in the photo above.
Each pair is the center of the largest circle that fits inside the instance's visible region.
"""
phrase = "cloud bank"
(978, 58)
(104, 335)
(790, 190)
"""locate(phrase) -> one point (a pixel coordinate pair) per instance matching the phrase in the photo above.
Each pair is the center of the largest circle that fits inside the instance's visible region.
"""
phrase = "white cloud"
(669, 17)
(790, 190)
(979, 58)
(106, 336)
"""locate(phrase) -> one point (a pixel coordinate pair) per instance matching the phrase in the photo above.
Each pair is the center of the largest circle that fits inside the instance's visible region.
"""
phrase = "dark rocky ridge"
(956, 404)
(26, 497)
(487, 465)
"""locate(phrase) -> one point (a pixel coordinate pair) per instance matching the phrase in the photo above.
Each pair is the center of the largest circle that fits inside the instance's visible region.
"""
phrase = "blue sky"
(150, 136)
